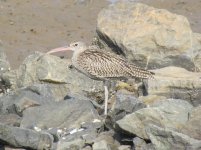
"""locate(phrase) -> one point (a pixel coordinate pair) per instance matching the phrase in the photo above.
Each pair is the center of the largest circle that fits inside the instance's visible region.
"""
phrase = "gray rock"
(10, 148)
(149, 100)
(4, 64)
(140, 144)
(87, 148)
(71, 145)
(50, 68)
(64, 114)
(101, 145)
(21, 99)
(145, 33)
(25, 138)
(178, 83)
(10, 119)
(10, 79)
(124, 103)
(89, 135)
(192, 127)
(109, 137)
(166, 139)
(124, 147)
(170, 113)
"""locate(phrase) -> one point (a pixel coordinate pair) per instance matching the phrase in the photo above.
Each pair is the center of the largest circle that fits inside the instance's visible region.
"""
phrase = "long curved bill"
(60, 49)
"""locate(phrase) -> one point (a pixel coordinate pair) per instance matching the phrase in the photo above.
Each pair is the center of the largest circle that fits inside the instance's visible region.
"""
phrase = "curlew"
(101, 65)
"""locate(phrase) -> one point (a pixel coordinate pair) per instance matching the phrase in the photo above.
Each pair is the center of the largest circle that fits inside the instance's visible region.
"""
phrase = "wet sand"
(27, 26)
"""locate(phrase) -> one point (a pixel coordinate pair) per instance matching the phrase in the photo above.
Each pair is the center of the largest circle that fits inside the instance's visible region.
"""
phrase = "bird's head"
(76, 46)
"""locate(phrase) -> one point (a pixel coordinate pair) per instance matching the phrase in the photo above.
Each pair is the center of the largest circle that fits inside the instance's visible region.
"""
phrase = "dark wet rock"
(25, 138)
(10, 119)
(163, 138)
(170, 113)
(76, 144)
(178, 83)
(146, 34)
(140, 144)
(64, 114)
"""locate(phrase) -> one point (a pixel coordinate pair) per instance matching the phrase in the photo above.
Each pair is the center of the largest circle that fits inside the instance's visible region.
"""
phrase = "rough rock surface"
(26, 138)
(39, 68)
(75, 144)
(175, 82)
(192, 128)
(145, 33)
(167, 139)
(65, 114)
(21, 99)
(101, 145)
(171, 113)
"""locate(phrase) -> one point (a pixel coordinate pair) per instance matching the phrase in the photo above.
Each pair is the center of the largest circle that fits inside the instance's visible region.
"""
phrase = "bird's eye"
(76, 44)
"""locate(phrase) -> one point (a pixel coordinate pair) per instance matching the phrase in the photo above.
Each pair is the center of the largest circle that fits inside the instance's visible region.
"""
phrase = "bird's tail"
(138, 72)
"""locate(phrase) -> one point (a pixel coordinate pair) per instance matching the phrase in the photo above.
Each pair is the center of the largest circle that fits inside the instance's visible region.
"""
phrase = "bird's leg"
(106, 96)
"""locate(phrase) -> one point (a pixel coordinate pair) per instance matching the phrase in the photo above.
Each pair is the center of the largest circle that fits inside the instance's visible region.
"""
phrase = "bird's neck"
(77, 53)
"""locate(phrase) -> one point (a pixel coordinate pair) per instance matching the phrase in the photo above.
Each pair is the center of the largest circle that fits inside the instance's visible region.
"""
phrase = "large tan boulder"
(145, 33)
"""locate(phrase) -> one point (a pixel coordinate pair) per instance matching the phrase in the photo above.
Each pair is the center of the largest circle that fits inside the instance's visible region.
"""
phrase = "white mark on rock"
(96, 120)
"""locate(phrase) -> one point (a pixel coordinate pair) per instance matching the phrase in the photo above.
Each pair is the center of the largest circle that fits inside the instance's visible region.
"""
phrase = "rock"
(55, 132)
(178, 83)
(163, 138)
(40, 68)
(10, 148)
(192, 127)
(10, 119)
(10, 79)
(196, 53)
(87, 148)
(21, 99)
(72, 145)
(109, 137)
(4, 64)
(149, 100)
(25, 138)
(170, 114)
(101, 145)
(90, 131)
(146, 34)
(125, 103)
(124, 147)
(88, 134)
(64, 114)
(140, 144)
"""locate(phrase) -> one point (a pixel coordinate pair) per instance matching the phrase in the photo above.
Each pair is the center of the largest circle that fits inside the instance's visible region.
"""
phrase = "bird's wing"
(108, 65)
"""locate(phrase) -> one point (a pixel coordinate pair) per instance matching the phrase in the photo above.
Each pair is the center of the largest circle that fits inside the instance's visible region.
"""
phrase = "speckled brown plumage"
(103, 65)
